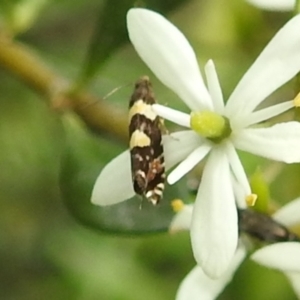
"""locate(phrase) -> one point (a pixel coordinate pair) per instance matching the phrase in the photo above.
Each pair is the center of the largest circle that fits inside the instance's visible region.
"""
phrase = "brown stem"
(100, 116)
(96, 113)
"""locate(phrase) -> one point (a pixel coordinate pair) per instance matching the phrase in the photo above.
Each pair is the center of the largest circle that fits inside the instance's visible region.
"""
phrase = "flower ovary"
(210, 125)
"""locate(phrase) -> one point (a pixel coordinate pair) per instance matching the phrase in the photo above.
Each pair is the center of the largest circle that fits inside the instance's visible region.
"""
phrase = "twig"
(98, 115)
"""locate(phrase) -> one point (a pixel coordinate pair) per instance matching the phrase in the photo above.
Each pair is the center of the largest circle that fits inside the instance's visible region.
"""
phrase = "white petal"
(189, 163)
(182, 219)
(214, 231)
(106, 191)
(179, 145)
(169, 55)
(172, 115)
(289, 214)
(276, 5)
(278, 63)
(280, 142)
(238, 169)
(294, 278)
(196, 285)
(239, 193)
(281, 256)
(214, 87)
(267, 113)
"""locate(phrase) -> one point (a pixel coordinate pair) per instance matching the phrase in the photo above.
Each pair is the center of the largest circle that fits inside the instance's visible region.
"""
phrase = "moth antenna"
(108, 95)
(116, 90)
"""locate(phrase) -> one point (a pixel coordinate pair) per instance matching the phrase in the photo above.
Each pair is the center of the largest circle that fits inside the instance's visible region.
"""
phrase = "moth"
(145, 143)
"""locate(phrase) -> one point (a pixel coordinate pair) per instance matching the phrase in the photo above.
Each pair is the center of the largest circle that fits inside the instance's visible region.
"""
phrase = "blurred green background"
(54, 244)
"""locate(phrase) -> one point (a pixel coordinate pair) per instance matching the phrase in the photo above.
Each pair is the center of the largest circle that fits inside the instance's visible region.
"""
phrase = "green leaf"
(20, 15)
(82, 163)
(111, 33)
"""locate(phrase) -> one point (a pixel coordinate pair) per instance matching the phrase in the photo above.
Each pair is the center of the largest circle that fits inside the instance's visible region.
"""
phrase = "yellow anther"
(177, 205)
(297, 101)
(251, 199)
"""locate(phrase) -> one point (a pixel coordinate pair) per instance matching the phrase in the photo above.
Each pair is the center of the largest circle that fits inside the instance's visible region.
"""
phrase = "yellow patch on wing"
(139, 139)
(140, 107)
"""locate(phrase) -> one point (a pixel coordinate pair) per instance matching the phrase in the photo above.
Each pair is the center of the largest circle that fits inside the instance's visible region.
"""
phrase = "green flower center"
(210, 125)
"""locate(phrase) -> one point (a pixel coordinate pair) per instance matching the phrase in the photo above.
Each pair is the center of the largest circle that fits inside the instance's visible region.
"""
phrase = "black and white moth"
(146, 149)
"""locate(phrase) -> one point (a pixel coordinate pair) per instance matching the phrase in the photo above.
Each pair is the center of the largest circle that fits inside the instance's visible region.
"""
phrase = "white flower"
(214, 231)
(196, 285)
(114, 184)
(277, 5)
(282, 256)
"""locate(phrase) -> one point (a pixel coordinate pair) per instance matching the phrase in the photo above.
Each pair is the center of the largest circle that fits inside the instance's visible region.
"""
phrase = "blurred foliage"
(110, 32)
(49, 160)
(19, 15)
(260, 187)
